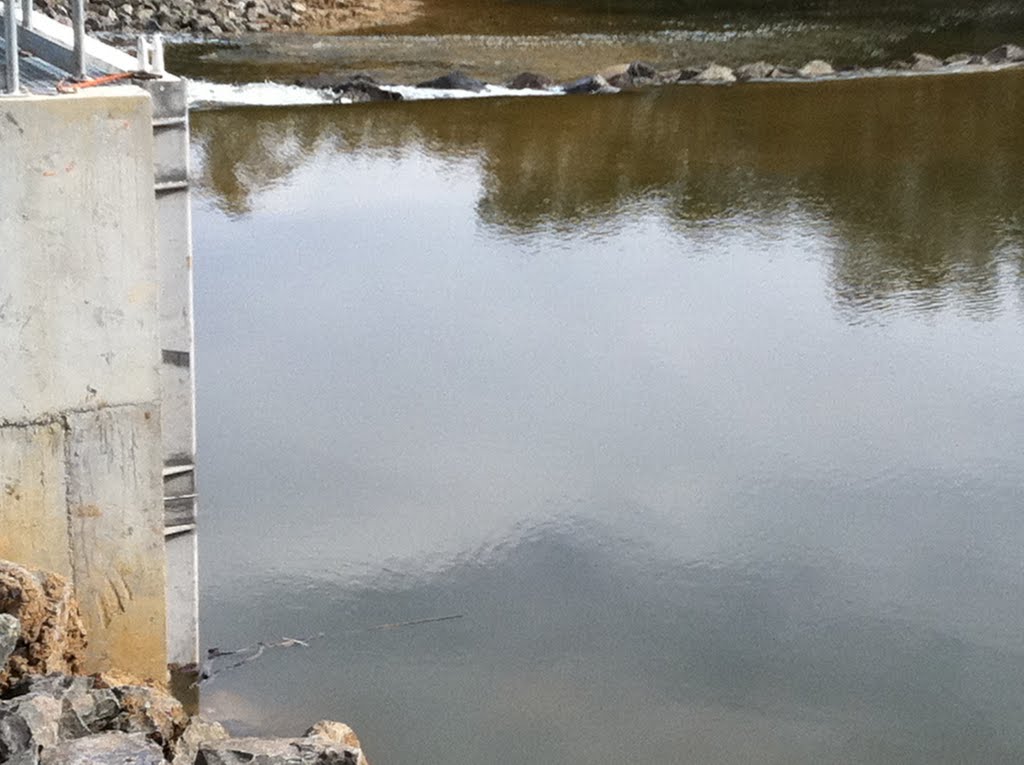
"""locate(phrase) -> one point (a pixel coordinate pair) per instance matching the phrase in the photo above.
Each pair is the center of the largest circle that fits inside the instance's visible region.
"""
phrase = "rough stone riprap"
(102, 748)
(62, 719)
(52, 637)
(277, 751)
(338, 733)
(10, 632)
(224, 18)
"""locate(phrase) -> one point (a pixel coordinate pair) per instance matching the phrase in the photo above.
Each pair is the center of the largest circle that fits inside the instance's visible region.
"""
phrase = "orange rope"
(72, 87)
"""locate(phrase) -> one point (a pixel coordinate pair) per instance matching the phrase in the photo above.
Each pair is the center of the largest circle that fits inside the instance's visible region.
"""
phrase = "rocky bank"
(50, 714)
(225, 18)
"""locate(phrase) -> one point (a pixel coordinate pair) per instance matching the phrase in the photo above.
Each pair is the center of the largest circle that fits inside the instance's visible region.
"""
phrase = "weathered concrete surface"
(115, 517)
(77, 209)
(31, 485)
(80, 438)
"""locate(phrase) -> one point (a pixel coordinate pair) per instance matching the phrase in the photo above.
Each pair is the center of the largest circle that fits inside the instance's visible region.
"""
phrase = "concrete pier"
(80, 399)
(97, 412)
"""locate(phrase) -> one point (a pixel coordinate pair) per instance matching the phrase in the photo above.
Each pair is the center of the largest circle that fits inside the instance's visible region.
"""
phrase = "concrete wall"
(80, 423)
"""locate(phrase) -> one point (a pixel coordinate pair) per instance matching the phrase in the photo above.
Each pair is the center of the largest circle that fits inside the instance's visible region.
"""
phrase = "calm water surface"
(703, 406)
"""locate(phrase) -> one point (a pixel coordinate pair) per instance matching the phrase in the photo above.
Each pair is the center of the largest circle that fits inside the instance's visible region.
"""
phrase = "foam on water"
(203, 94)
(212, 95)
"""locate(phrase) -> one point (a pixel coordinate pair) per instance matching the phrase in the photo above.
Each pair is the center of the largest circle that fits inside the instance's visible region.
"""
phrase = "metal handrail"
(13, 79)
(13, 84)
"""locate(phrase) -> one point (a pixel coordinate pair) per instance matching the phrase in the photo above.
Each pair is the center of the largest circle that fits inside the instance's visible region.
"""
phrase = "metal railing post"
(26, 14)
(78, 24)
(11, 38)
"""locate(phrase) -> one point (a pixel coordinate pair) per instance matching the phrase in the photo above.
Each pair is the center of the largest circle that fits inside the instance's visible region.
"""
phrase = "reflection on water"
(703, 407)
(917, 178)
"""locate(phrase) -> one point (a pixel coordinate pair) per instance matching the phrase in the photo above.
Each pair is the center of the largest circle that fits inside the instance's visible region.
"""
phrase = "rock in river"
(1005, 54)
(588, 85)
(457, 80)
(816, 68)
(715, 73)
(759, 70)
(925, 63)
(530, 81)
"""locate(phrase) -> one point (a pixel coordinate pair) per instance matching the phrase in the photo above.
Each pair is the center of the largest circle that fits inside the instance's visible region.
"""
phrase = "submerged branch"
(251, 653)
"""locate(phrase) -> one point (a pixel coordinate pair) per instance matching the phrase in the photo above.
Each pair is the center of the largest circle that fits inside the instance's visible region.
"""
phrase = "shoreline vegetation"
(51, 713)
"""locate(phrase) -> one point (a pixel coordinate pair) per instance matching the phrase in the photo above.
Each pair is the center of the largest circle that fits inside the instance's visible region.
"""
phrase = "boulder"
(680, 75)
(1004, 54)
(338, 733)
(715, 73)
(153, 713)
(28, 723)
(783, 72)
(10, 631)
(104, 749)
(595, 84)
(963, 59)
(922, 62)
(52, 634)
(198, 732)
(530, 81)
(641, 70)
(634, 75)
(276, 751)
(816, 68)
(759, 70)
(457, 80)
(616, 70)
(358, 88)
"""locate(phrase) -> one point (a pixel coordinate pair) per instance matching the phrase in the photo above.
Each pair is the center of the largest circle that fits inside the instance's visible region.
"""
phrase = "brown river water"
(701, 406)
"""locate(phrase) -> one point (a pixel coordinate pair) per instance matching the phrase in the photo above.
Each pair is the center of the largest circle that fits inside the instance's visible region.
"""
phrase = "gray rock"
(681, 75)
(10, 631)
(27, 724)
(457, 80)
(816, 68)
(924, 63)
(716, 73)
(963, 59)
(595, 84)
(759, 70)
(641, 70)
(530, 81)
(15, 736)
(783, 73)
(358, 88)
(114, 748)
(54, 684)
(155, 714)
(1004, 54)
(40, 714)
(276, 751)
(198, 732)
(90, 712)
